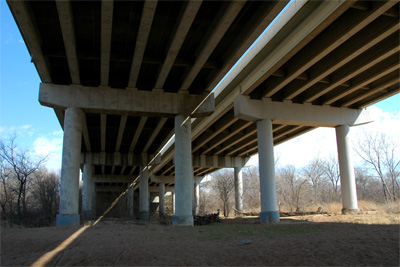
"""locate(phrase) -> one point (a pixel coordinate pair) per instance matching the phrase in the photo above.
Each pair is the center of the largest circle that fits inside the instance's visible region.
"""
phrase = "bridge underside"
(123, 77)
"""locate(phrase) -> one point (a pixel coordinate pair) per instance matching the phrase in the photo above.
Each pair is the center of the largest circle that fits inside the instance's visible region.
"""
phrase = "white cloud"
(50, 145)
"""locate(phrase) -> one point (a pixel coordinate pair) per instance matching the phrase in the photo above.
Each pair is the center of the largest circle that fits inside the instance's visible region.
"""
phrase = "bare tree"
(331, 171)
(45, 190)
(314, 172)
(7, 193)
(251, 188)
(290, 186)
(380, 152)
(22, 167)
(223, 183)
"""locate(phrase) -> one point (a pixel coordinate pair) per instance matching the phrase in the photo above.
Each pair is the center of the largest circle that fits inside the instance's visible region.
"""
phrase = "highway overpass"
(125, 77)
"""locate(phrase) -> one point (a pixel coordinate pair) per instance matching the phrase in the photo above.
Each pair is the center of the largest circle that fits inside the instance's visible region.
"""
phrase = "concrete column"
(71, 156)
(183, 172)
(173, 202)
(197, 199)
(87, 191)
(347, 177)
(94, 193)
(161, 197)
(144, 205)
(269, 211)
(130, 200)
(238, 190)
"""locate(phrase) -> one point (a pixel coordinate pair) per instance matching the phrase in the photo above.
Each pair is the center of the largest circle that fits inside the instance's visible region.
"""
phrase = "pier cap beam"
(299, 114)
(105, 99)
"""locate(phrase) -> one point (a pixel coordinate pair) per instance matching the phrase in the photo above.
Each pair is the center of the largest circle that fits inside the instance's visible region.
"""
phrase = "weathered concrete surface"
(69, 181)
(183, 173)
(269, 211)
(116, 100)
(346, 166)
(299, 114)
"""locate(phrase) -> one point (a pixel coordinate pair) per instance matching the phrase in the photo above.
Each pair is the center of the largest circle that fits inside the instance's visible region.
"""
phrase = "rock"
(245, 242)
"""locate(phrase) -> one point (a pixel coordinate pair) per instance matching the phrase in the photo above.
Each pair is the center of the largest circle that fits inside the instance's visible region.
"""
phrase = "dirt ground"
(314, 240)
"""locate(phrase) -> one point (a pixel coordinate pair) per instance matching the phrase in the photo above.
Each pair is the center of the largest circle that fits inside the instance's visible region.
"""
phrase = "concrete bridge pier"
(161, 196)
(87, 191)
(269, 211)
(347, 177)
(71, 155)
(184, 179)
(144, 204)
(238, 173)
(130, 199)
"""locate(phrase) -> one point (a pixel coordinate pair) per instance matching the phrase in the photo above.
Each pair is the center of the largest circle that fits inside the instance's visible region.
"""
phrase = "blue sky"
(39, 131)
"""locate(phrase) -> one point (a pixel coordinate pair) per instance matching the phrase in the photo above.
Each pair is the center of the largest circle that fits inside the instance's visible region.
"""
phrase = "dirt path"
(308, 240)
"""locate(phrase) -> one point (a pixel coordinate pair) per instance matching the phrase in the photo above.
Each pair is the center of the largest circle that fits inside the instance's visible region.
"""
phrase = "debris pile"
(206, 219)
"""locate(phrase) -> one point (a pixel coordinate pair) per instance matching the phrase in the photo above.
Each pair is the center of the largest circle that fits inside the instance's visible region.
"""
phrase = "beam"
(68, 32)
(85, 132)
(121, 130)
(222, 138)
(138, 131)
(103, 126)
(327, 41)
(298, 114)
(113, 179)
(156, 131)
(218, 31)
(331, 62)
(218, 161)
(117, 159)
(162, 179)
(228, 144)
(155, 189)
(100, 99)
(107, 9)
(250, 35)
(371, 92)
(310, 20)
(387, 68)
(386, 49)
(219, 127)
(181, 31)
(149, 9)
(106, 188)
(21, 14)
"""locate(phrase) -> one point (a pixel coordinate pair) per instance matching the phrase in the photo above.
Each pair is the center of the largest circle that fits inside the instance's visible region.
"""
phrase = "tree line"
(29, 192)
(317, 183)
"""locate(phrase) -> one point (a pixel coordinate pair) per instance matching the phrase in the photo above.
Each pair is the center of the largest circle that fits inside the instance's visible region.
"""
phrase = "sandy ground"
(304, 240)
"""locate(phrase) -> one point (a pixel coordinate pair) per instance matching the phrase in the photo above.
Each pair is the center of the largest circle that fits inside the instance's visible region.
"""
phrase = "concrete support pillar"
(144, 204)
(130, 199)
(183, 172)
(269, 211)
(197, 198)
(69, 181)
(173, 202)
(94, 193)
(87, 191)
(347, 177)
(238, 190)
(161, 197)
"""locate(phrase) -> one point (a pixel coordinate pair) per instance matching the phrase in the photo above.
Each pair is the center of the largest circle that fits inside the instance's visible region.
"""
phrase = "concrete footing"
(182, 220)
(350, 211)
(67, 220)
(144, 215)
(269, 216)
